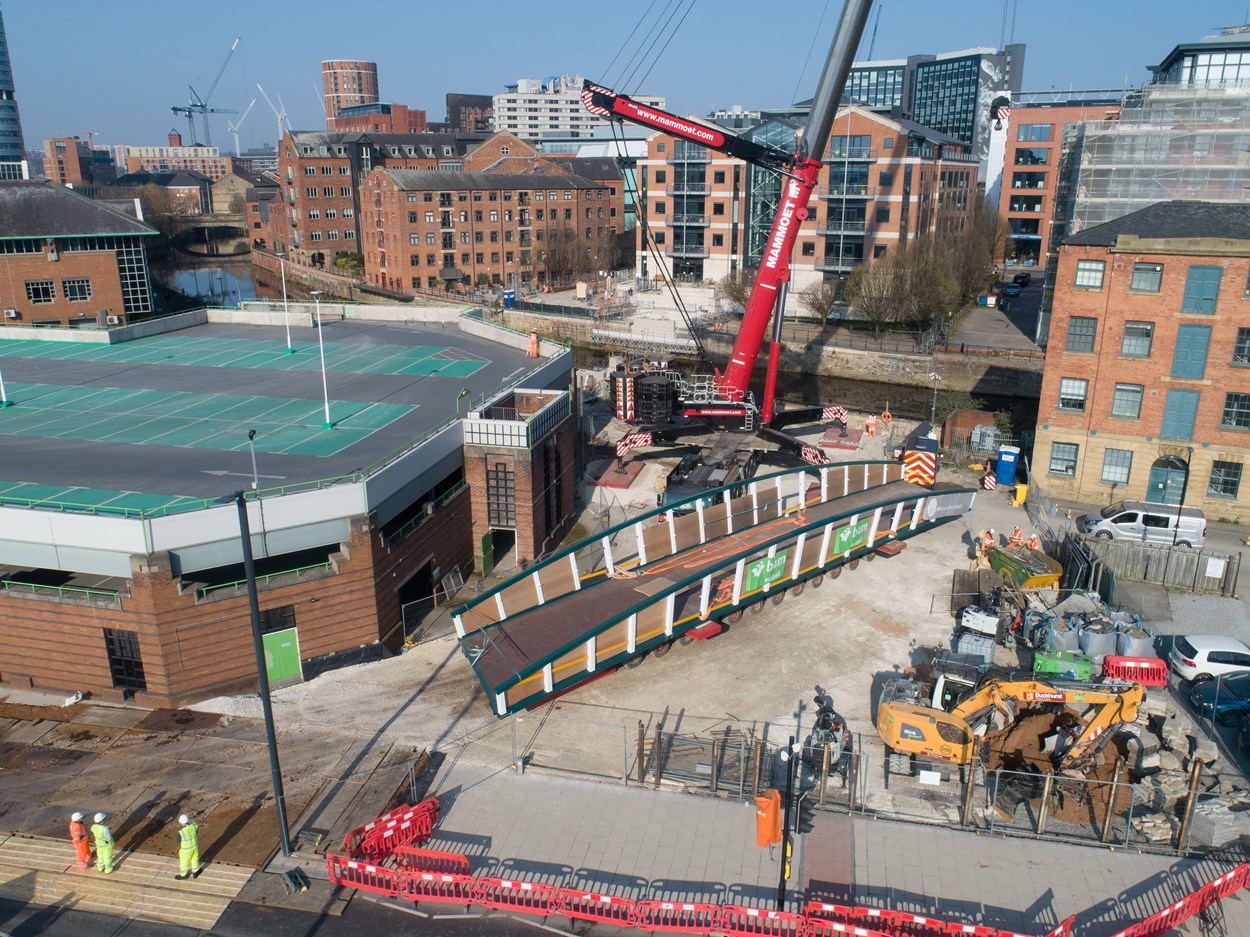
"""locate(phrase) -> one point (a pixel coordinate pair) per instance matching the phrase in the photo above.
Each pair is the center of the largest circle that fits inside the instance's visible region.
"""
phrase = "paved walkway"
(637, 843)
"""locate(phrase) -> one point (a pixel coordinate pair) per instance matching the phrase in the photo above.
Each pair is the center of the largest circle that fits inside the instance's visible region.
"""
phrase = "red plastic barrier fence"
(825, 927)
(593, 906)
(1193, 903)
(364, 876)
(915, 925)
(976, 930)
(353, 839)
(737, 921)
(442, 887)
(843, 913)
(507, 895)
(679, 917)
(1064, 929)
(413, 824)
(1148, 671)
(874, 919)
(429, 860)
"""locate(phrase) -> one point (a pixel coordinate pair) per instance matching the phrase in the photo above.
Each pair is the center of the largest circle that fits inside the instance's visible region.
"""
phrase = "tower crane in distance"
(198, 104)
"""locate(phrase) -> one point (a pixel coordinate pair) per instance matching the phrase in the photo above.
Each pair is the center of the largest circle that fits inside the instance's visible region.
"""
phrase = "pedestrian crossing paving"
(41, 870)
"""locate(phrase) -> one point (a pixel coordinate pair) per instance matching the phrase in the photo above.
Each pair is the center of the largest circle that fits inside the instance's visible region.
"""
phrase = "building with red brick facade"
(121, 569)
(379, 117)
(68, 260)
(1032, 167)
(884, 181)
(1146, 391)
(206, 160)
(71, 161)
(428, 230)
(348, 83)
(318, 208)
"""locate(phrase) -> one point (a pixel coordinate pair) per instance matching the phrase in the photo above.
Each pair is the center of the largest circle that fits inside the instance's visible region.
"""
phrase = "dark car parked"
(1226, 700)
(1022, 278)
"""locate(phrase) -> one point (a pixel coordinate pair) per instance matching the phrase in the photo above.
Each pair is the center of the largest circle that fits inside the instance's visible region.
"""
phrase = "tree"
(735, 287)
(876, 290)
(975, 248)
(933, 287)
(818, 298)
(159, 209)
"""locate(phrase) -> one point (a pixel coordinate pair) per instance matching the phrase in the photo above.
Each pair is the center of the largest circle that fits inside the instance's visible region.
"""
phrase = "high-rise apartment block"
(73, 161)
(348, 83)
(532, 109)
(12, 147)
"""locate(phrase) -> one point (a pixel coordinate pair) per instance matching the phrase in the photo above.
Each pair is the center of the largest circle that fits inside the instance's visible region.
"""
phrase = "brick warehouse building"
(425, 229)
(68, 260)
(1146, 390)
(120, 566)
(883, 181)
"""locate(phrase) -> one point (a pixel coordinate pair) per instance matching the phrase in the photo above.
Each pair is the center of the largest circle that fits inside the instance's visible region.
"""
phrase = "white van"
(1145, 520)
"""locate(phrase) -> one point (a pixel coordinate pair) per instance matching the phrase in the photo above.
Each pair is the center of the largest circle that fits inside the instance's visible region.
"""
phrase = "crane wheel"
(818, 580)
(777, 597)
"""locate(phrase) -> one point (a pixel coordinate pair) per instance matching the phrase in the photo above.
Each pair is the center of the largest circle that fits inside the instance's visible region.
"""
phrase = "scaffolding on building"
(1169, 142)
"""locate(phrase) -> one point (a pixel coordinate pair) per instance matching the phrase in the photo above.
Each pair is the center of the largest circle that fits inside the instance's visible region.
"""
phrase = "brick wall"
(100, 267)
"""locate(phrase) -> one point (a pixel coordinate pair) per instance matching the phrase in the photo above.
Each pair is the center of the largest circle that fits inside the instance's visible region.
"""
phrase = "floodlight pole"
(266, 706)
(286, 308)
(321, 347)
(251, 435)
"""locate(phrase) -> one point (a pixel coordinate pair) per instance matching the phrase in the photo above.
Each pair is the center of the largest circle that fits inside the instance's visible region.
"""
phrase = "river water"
(217, 281)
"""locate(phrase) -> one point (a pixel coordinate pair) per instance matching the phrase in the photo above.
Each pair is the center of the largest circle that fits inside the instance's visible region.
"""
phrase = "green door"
(282, 655)
(486, 559)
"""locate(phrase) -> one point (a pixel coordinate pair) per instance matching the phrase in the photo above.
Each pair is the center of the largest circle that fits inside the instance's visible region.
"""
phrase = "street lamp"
(251, 435)
(4, 397)
(286, 309)
(464, 392)
(1189, 467)
(258, 645)
(934, 377)
(321, 347)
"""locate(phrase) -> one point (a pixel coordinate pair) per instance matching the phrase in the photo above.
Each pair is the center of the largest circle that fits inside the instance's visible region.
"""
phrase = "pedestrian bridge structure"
(685, 571)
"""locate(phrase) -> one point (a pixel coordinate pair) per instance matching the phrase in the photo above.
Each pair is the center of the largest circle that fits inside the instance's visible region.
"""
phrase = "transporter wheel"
(835, 572)
(733, 617)
(818, 580)
(757, 607)
(797, 588)
(662, 649)
(635, 661)
(853, 564)
(777, 597)
(869, 557)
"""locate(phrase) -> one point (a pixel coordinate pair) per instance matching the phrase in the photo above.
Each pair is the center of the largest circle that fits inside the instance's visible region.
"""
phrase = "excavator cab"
(904, 725)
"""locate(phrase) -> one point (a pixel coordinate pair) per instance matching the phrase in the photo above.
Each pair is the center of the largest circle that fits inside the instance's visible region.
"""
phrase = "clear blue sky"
(117, 67)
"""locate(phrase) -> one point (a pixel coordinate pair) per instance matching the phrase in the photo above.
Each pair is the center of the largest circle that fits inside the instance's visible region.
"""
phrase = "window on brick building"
(1063, 456)
(878, 250)
(431, 260)
(1236, 413)
(494, 214)
(314, 214)
(494, 257)
(718, 240)
(328, 191)
(568, 214)
(414, 260)
(414, 240)
(431, 237)
(1126, 401)
(349, 212)
(479, 257)
(416, 283)
(1137, 339)
(412, 217)
(500, 495)
(809, 249)
(1241, 347)
(1202, 288)
(427, 196)
(429, 217)
(125, 660)
(1089, 274)
(1225, 479)
(310, 170)
(1147, 278)
(494, 237)
(40, 292)
(332, 213)
(659, 206)
(77, 290)
(311, 191)
(1117, 465)
(883, 213)
(661, 177)
(412, 196)
(1082, 331)
(1072, 392)
(887, 178)
(718, 176)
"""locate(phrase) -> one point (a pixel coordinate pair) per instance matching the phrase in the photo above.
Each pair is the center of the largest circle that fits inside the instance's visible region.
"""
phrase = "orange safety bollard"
(768, 818)
(871, 424)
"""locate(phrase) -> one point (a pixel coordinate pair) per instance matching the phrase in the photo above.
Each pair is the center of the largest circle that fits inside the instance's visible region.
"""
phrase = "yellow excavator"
(1093, 709)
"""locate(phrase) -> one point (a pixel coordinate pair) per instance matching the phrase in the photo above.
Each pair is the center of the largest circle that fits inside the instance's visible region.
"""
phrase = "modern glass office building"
(12, 147)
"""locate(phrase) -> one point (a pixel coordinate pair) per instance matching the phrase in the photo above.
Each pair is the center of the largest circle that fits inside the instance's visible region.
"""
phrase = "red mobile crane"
(800, 171)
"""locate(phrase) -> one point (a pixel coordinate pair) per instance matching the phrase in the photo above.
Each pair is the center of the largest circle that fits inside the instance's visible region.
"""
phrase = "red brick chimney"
(175, 138)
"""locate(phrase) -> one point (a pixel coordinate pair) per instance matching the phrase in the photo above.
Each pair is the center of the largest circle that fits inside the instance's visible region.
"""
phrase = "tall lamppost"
(251, 435)
(464, 392)
(321, 347)
(1189, 467)
(258, 645)
(286, 308)
(934, 377)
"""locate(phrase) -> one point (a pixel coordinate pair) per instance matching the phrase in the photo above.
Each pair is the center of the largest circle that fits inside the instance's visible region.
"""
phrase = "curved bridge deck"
(642, 584)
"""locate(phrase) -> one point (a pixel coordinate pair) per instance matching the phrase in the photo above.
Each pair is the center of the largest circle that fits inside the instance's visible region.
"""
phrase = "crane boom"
(800, 169)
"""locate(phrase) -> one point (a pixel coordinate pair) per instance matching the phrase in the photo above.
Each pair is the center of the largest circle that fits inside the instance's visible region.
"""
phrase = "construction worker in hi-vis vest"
(82, 845)
(103, 837)
(188, 849)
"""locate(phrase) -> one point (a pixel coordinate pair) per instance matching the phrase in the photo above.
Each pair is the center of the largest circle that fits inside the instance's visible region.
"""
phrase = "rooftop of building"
(421, 180)
(342, 137)
(1230, 38)
(44, 209)
(163, 420)
(182, 178)
(1171, 220)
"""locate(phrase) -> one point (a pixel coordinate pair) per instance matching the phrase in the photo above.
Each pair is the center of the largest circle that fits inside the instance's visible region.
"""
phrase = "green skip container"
(1069, 664)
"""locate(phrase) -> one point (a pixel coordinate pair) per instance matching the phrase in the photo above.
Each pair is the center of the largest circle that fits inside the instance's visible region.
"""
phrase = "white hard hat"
(184, 819)
(991, 530)
(77, 815)
(100, 817)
